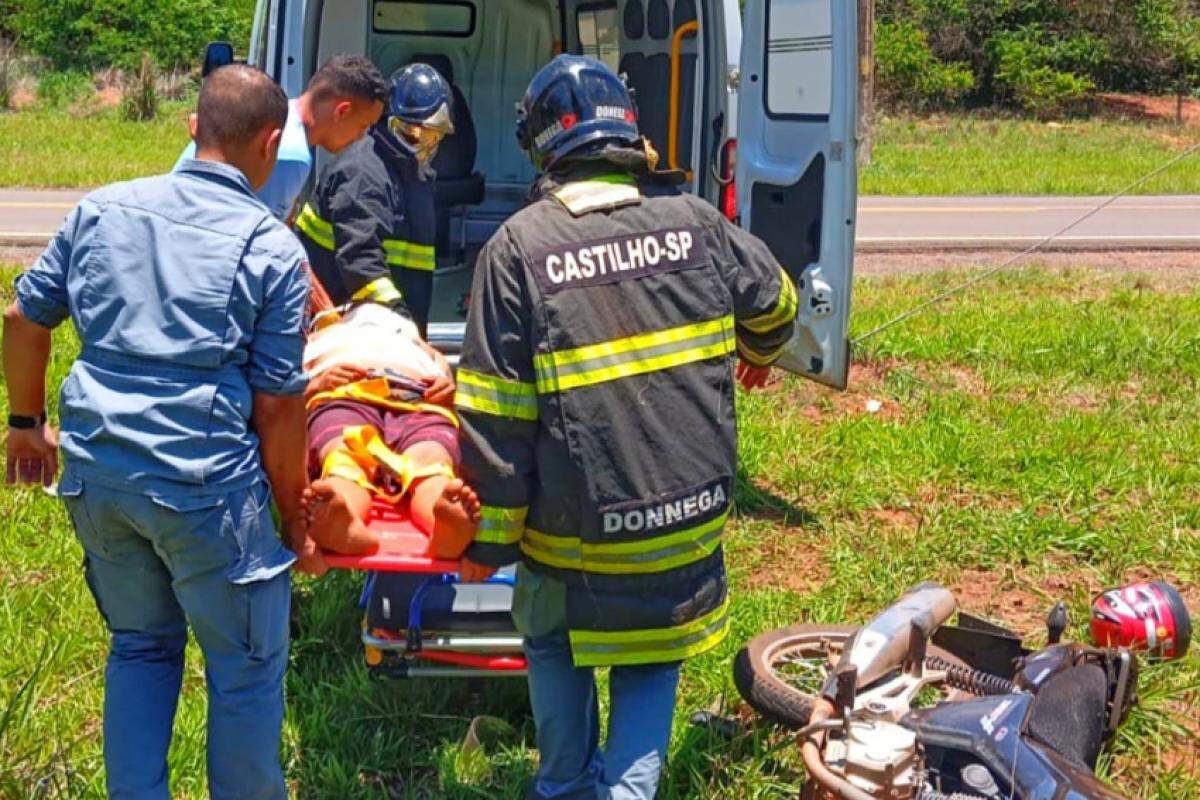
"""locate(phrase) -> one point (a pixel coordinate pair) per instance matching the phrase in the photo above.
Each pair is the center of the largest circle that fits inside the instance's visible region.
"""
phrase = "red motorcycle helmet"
(1147, 615)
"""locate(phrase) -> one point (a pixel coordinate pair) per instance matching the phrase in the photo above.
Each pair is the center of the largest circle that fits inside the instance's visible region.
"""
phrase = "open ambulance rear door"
(795, 170)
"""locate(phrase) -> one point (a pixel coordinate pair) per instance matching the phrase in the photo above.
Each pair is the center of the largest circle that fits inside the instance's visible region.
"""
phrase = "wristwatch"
(22, 422)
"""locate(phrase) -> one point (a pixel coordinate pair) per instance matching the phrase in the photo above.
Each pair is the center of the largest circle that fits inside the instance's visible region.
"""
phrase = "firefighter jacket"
(596, 395)
(369, 227)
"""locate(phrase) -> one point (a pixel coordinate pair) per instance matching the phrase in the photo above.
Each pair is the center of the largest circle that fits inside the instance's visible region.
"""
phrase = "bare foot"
(332, 524)
(455, 518)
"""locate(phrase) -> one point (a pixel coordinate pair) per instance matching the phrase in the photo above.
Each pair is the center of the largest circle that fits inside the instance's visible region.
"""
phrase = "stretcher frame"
(416, 652)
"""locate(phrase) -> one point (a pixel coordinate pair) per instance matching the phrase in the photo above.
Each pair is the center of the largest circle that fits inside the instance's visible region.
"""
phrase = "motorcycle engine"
(877, 756)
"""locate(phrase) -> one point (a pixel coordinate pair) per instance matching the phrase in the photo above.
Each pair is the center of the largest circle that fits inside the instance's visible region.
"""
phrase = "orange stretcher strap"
(363, 445)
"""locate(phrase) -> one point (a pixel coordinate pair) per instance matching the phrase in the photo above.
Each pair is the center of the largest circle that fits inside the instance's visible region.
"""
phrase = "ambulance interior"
(488, 50)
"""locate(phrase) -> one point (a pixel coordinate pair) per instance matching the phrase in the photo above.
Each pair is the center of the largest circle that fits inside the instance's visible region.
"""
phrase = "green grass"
(913, 156)
(970, 155)
(1038, 438)
(60, 149)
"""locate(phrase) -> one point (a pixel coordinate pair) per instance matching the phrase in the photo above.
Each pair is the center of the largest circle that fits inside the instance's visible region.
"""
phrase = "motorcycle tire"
(775, 699)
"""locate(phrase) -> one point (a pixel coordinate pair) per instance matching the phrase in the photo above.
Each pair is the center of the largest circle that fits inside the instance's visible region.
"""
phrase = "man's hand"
(334, 377)
(440, 391)
(752, 377)
(32, 455)
(470, 572)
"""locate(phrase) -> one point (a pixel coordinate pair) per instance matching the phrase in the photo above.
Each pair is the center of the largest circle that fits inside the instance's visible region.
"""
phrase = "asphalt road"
(30, 217)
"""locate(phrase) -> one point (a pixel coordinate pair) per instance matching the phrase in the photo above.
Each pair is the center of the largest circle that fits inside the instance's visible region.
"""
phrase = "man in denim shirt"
(182, 413)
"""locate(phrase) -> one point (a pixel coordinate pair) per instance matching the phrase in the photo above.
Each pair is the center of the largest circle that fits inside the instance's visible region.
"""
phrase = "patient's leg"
(336, 506)
(445, 507)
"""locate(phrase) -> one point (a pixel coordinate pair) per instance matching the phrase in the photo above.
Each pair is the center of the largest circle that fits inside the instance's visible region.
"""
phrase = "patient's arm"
(334, 377)
(440, 389)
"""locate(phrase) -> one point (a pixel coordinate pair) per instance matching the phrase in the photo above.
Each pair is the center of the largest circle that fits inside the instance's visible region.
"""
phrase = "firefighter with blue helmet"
(369, 227)
(596, 394)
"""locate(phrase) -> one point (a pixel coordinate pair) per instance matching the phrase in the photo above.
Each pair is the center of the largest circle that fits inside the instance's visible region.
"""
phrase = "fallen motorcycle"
(908, 707)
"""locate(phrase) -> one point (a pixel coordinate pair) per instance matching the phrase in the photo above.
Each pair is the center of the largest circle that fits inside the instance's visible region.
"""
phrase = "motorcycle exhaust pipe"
(887, 641)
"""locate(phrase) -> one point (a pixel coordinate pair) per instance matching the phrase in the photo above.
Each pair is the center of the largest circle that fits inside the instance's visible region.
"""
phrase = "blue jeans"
(566, 709)
(154, 565)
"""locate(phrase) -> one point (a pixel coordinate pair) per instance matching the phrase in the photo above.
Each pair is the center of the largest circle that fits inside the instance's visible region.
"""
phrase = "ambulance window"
(425, 19)
(799, 69)
(599, 36)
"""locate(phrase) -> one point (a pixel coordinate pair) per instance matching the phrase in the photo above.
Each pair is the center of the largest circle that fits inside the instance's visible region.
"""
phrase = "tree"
(1170, 33)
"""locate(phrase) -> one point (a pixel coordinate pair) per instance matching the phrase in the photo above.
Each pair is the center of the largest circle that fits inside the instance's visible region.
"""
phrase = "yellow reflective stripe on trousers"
(499, 397)
(639, 557)
(409, 255)
(380, 290)
(653, 646)
(783, 312)
(634, 355)
(498, 525)
(314, 227)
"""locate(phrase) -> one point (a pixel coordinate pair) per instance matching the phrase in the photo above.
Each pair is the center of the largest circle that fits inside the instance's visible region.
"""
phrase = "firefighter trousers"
(566, 711)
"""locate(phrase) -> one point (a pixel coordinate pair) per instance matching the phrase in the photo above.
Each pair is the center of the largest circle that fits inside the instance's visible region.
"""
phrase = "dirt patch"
(791, 560)
(941, 496)
(1079, 401)
(23, 98)
(957, 377)
(866, 395)
(1017, 598)
(1147, 108)
(108, 97)
(20, 256)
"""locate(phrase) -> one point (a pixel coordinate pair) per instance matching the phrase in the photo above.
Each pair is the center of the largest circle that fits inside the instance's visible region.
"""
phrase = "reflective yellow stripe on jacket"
(783, 312)
(409, 255)
(655, 646)
(315, 228)
(635, 355)
(640, 557)
(396, 252)
(499, 397)
(498, 525)
(380, 290)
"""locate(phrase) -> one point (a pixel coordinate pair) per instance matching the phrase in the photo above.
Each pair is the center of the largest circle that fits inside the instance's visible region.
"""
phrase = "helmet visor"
(423, 139)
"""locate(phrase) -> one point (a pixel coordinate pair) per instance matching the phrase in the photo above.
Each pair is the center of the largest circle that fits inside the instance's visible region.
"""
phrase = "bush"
(1027, 73)
(63, 89)
(907, 73)
(87, 34)
(139, 100)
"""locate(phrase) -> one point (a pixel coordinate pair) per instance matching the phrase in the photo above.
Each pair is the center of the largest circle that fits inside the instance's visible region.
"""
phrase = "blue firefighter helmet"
(421, 96)
(420, 112)
(571, 102)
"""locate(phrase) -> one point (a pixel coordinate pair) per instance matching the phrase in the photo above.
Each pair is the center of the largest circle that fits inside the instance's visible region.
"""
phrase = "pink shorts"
(400, 429)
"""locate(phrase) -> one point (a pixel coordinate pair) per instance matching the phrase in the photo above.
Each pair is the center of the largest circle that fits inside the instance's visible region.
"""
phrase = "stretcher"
(419, 620)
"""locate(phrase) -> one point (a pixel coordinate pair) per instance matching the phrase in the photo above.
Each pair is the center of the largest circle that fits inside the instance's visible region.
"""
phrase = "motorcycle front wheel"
(781, 672)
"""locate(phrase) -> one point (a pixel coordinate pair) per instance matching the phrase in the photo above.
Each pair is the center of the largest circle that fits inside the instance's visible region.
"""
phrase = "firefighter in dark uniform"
(596, 394)
(369, 228)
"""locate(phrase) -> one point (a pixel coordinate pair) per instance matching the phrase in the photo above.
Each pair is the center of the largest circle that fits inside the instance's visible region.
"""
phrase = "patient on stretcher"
(380, 427)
